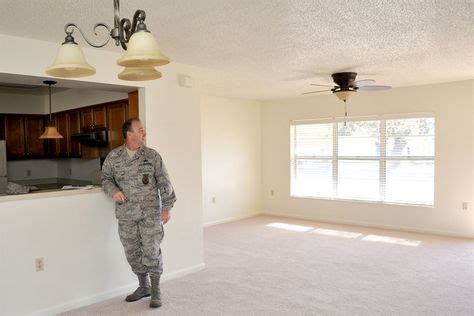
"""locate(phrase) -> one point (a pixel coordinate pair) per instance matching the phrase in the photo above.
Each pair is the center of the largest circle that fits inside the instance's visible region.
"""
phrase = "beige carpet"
(277, 266)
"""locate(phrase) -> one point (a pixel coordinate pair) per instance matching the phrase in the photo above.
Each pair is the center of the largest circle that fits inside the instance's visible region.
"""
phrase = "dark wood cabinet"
(132, 105)
(15, 136)
(61, 144)
(74, 127)
(22, 134)
(116, 116)
(93, 118)
(34, 127)
(22, 131)
(67, 123)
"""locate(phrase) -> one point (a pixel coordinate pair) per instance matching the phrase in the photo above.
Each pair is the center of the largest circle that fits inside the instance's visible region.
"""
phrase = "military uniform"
(144, 181)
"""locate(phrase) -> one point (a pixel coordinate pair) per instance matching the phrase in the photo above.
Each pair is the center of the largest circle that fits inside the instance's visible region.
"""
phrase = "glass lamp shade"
(70, 63)
(344, 95)
(50, 132)
(142, 51)
(139, 74)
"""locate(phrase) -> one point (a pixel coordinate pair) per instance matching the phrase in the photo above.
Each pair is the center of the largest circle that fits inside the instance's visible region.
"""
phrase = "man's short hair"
(127, 126)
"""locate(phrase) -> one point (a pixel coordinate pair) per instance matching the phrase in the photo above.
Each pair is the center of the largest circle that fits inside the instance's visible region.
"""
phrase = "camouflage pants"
(141, 240)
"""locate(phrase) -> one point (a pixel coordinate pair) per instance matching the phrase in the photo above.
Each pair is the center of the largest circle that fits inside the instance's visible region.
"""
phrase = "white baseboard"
(230, 219)
(77, 303)
(373, 225)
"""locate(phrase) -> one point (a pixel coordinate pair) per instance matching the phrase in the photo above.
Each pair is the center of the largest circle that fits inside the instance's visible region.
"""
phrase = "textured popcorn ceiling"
(265, 49)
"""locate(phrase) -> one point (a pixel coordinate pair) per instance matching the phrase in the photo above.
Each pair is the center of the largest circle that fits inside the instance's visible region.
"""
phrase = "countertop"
(51, 187)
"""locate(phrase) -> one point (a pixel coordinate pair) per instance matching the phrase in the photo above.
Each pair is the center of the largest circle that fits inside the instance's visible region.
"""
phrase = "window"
(389, 160)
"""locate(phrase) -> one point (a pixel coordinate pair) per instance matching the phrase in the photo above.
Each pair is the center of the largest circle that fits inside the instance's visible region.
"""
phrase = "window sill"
(361, 201)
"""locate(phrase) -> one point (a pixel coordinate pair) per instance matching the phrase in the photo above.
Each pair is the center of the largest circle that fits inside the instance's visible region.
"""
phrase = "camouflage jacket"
(143, 179)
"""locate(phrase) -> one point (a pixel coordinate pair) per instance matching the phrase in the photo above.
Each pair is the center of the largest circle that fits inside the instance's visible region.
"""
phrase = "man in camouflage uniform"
(136, 178)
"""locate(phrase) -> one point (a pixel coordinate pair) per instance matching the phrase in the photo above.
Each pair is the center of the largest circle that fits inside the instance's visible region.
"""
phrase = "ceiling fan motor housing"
(345, 81)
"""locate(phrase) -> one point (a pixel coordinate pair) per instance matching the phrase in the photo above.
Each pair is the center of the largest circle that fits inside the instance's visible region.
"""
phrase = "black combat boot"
(143, 289)
(155, 291)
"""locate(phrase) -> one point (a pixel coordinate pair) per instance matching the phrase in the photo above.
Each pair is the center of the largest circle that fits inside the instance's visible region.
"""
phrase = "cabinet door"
(62, 149)
(34, 127)
(74, 126)
(50, 144)
(87, 119)
(116, 115)
(132, 106)
(15, 136)
(99, 113)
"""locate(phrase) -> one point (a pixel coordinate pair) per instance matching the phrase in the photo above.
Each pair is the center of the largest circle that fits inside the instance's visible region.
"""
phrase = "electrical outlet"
(272, 193)
(39, 264)
(28, 173)
(213, 199)
(465, 205)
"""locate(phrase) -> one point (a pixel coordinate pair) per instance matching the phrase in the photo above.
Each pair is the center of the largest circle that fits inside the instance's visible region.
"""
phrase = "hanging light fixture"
(141, 49)
(139, 74)
(50, 131)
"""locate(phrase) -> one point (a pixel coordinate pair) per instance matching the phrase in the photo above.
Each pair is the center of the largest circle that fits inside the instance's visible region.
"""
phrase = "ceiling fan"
(345, 85)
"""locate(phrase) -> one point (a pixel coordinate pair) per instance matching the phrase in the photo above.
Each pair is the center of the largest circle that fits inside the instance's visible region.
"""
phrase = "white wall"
(74, 168)
(39, 168)
(76, 98)
(89, 257)
(22, 103)
(231, 158)
(453, 106)
(60, 101)
(79, 169)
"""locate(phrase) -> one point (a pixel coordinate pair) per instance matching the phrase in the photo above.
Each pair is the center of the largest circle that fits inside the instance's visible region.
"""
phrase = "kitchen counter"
(51, 187)
(49, 193)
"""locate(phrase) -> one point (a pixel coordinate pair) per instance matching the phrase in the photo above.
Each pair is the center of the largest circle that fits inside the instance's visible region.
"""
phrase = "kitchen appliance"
(94, 138)
(3, 167)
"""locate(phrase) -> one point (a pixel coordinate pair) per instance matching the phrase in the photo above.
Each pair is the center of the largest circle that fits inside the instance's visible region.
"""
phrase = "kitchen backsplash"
(74, 168)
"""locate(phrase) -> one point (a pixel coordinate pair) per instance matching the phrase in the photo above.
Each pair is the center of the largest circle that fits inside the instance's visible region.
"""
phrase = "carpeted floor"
(278, 266)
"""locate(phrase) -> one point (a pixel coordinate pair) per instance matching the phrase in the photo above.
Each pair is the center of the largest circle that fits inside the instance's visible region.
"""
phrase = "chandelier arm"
(69, 29)
(115, 32)
(124, 32)
(139, 16)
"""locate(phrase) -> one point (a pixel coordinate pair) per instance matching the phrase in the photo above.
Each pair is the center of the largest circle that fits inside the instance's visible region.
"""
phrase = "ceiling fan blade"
(365, 82)
(374, 88)
(321, 85)
(319, 91)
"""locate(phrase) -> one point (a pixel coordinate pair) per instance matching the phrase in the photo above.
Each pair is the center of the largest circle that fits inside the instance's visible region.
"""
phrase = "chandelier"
(141, 54)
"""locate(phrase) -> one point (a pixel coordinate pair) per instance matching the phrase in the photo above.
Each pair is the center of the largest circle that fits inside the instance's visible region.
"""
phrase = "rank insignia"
(145, 179)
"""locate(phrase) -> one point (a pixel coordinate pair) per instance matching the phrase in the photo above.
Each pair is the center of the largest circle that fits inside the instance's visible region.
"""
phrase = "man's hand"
(119, 197)
(165, 216)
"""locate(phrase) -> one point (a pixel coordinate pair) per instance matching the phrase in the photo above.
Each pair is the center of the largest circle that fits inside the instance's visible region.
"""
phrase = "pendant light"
(139, 74)
(50, 131)
(70, 61)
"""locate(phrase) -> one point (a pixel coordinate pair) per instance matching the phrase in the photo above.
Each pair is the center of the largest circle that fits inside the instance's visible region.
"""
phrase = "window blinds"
(389, 160)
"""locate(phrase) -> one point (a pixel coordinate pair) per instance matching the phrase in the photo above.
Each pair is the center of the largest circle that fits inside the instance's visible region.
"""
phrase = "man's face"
(138, 134)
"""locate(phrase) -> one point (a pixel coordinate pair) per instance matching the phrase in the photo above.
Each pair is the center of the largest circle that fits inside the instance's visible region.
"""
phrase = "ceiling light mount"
(141, 48)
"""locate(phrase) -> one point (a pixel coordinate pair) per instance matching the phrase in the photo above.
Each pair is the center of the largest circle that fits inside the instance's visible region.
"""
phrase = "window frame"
(382, 158)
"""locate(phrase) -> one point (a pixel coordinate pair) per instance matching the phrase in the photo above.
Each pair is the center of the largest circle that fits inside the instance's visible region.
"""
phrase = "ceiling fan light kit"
(346, 85)
(141, 50)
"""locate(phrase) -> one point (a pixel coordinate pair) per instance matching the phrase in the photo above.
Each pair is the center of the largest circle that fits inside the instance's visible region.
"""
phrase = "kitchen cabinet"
(74, 119)
(93, 117)
(15, 136)
(34, 127)
(116, 116)
(61, 145)
(132, 105)
(22, 134)
(22, 131)
(67, 123)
